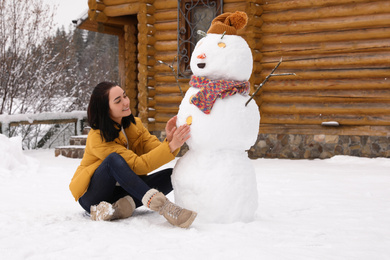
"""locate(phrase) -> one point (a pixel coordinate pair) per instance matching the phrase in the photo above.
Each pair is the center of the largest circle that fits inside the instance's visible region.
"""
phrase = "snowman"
(215, 177)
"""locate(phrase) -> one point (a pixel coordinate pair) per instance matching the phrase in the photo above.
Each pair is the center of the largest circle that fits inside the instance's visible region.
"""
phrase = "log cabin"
(337, 103)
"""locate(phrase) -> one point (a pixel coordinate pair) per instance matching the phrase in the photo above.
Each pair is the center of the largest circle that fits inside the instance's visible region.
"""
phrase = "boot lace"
(171, 209)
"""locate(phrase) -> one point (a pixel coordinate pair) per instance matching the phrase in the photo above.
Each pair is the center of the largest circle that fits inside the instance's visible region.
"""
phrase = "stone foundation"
(295, 146)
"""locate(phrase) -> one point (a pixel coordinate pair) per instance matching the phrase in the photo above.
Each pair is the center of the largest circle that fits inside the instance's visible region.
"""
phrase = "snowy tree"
(33, 76)
(48, 70)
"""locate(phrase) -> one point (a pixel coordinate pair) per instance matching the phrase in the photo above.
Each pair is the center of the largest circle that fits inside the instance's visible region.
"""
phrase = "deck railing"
(77, 117)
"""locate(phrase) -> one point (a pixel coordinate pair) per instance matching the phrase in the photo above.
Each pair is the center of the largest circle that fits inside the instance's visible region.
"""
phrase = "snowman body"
(215, 177)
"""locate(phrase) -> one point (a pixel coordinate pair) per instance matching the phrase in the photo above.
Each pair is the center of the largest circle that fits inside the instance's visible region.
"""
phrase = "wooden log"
(148, 29)
(166, 26)
(145, 9)
(257, 67)
(160, 117)
(327, 97)
(329, 61)
(171, 88)
(132, 92)
(170, 15)
(166, 35)
(151, 114)
(334, 74)
(327, 108)
(163, 68)
(168, 99)
(255, 21)
(151, 92)
(327, 84)
(254, 30)
(93, 5)
(256, 79)
(147, 39)
(257, 55)
(166, 56)
(172, 109)
(152, 102)
(102, 28)
(146, 50)
(232, 7)
(118, 2)
(339, 23)
(166, 4)
(102, 18)
(120, 10)
(166, 45)
(147, 60)
(165, 77)
(279, 50)
(253, 9)
(299, 4)
(254, 44)
(352, 9)
(331, 36)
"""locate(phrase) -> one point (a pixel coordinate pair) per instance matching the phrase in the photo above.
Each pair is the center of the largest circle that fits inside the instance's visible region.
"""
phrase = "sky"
(68, 10)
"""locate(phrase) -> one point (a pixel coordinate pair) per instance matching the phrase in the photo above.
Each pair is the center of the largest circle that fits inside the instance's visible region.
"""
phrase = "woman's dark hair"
(99, 113)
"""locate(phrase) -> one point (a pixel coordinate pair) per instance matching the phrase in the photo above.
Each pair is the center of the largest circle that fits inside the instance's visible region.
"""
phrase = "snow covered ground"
(337, 208)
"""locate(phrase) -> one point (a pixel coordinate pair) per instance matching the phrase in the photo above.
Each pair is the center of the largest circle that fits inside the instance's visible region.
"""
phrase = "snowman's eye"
(221, 45)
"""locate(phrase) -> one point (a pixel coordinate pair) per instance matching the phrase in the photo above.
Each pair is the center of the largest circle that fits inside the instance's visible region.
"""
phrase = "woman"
(112, 179)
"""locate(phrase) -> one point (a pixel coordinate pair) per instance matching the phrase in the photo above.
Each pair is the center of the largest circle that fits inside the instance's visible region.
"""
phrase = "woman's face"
(119, 104)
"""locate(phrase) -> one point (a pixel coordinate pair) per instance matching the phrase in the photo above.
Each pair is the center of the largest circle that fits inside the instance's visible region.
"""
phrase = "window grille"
(193, 15)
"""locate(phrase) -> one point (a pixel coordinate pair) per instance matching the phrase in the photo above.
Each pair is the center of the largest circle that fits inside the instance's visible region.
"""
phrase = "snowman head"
(223, 55)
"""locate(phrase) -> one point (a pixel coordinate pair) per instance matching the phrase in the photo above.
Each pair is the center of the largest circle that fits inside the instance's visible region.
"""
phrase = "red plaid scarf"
(210, 90)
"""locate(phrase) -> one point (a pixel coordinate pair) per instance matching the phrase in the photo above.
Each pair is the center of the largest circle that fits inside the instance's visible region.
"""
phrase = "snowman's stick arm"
(266, 79)
(174, 74)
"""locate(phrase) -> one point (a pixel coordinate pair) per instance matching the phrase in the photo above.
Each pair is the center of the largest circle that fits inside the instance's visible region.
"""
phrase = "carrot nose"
(201, 56)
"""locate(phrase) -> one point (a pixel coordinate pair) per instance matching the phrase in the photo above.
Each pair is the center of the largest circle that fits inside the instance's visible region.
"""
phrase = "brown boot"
(175, 215)
(121, 209)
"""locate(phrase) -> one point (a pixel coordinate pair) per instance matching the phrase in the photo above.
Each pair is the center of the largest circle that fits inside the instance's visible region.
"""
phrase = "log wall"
(340, 53)
(338, 49)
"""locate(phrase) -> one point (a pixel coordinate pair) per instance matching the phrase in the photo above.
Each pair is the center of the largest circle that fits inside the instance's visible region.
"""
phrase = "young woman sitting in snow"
(112, 179)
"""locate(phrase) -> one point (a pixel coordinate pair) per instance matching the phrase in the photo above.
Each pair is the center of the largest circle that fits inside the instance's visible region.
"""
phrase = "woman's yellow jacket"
(145, 154)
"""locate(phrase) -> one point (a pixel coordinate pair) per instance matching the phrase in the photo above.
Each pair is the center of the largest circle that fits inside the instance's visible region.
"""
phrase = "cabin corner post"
(146, 60)
(253, 35)
(130, 65)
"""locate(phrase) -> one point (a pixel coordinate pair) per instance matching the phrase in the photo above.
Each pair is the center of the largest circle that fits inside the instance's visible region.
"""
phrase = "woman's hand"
(179, 137)
(170, 128)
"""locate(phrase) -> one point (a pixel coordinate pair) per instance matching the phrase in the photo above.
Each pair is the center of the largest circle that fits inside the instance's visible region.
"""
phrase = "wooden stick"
(266, 79)
(174, 73)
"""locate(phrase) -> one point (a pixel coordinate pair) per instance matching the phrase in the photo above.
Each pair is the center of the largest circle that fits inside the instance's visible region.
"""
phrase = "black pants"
(114, 169)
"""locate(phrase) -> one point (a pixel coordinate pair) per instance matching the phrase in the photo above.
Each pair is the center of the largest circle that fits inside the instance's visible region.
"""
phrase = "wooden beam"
(120, 10)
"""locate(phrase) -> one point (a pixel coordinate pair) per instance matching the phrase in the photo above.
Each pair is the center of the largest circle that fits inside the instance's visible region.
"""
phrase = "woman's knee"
(115, 157)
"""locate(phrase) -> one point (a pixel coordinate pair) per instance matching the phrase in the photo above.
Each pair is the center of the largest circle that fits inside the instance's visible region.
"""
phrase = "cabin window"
(193, 16)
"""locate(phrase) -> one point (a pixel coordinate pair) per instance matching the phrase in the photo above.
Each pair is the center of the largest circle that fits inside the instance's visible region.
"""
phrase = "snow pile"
(12, 157)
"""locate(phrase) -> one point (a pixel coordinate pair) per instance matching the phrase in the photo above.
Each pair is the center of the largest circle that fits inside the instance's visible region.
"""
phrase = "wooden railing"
(77, 117)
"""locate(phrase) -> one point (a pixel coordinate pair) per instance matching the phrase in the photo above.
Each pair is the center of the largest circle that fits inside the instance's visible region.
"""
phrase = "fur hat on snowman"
(221, 62)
